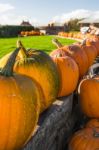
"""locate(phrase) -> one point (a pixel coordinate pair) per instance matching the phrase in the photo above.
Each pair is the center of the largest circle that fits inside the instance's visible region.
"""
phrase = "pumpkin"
(39, 66)
(94, 43)
(93, 123)
(19, 107)
(89, 96)
(75, 52)
(69, 74)
(85, 139)
(70, 34)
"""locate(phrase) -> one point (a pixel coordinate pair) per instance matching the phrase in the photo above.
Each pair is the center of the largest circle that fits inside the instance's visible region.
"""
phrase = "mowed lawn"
(37, 42)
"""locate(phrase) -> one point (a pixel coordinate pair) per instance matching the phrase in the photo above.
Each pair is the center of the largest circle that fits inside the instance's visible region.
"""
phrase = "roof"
(25, 23)
(89, 20)
(56, 23)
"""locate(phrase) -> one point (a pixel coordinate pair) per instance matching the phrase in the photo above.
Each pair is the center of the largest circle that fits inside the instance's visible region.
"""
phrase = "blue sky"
(44, 11)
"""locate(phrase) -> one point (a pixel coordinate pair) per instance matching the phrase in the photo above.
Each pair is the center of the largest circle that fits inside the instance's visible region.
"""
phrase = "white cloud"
(5, 7)
(12, 19)
(79, 13)
(9, 17)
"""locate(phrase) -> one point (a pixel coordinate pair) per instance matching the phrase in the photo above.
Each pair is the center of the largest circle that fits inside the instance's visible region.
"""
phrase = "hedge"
(13, 31)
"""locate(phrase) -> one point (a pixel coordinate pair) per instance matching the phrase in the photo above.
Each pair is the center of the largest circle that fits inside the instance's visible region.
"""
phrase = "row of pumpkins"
(88, 90)
(30, 33)
(37, 81)
(76, 35)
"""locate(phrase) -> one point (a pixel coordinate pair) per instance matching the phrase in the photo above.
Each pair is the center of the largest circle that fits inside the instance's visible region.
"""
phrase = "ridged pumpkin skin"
(39, 66)
(19, 109)
(89, 96)
(69, 74)
(93, 123)
(86, 139)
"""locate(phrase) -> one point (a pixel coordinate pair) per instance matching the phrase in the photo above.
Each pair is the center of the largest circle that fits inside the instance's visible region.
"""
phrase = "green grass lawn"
(36, 42)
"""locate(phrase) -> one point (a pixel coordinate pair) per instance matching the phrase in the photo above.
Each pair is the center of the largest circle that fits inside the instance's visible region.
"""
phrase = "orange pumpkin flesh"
(89, 97)
(19, 107)
(86, 139)
(69, 74)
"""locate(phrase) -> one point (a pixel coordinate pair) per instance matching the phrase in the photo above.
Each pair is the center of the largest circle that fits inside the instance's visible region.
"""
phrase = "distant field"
(36, 42)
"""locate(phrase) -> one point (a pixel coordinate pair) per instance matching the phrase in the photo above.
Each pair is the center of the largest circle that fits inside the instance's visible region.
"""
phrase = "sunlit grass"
(37, 42)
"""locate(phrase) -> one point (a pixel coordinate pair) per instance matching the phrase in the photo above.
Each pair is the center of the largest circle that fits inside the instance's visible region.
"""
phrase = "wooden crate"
(54, 126)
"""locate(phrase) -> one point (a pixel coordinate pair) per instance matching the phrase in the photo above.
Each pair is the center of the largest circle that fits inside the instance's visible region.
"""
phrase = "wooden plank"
(54, 126)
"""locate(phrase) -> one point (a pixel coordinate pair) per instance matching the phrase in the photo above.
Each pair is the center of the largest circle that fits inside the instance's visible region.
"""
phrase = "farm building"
(88, 21)
(54, 28)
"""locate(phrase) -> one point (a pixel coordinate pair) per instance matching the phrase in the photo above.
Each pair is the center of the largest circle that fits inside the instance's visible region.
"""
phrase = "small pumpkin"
(19, 107)
(89, 96)
(69, 74)
(85, 139)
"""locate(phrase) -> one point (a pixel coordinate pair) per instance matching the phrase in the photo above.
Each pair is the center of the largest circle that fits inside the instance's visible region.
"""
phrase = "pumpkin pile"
(76, 35)
(29, 33)
(32, 80)
(84, 54)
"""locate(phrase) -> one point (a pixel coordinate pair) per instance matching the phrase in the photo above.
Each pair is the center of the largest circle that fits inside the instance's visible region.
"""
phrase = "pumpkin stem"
(8, 68)
(57, 43)
(22, 52)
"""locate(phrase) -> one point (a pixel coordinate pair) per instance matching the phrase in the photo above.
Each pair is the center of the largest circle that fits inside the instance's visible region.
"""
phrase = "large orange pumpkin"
(38, 65)
(93, 123)
(69, 74)
(86, 139)
(19, 107)
(75, 52)
(89, 96)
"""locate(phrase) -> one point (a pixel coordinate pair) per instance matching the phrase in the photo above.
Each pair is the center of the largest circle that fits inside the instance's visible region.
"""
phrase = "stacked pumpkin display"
(38, 80)
(29, 33)
(75, 35)
(88, 91)
(83, 54)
